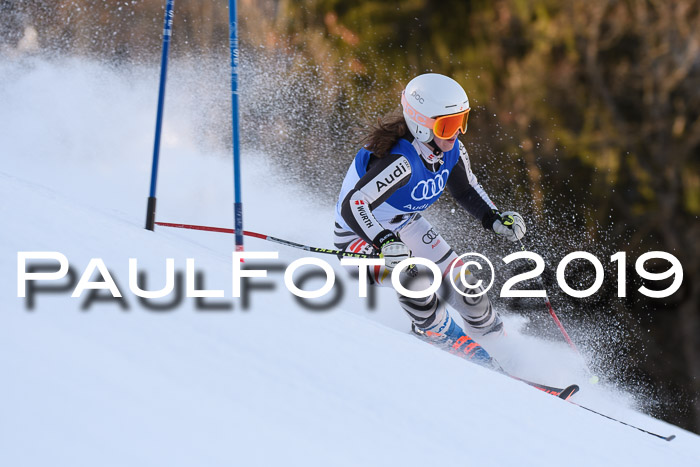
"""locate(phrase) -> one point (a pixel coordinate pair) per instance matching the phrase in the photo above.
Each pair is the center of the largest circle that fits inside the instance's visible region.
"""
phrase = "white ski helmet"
(429, 96)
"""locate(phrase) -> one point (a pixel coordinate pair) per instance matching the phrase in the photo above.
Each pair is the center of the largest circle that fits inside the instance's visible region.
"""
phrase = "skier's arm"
(384, 176)
(465, 188)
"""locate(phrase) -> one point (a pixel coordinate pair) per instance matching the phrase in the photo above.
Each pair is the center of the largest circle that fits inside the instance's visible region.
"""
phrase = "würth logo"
(365, 217)
(359, 201)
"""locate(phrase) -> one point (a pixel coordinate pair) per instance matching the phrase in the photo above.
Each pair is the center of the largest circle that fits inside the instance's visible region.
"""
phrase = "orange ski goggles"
(444, 127)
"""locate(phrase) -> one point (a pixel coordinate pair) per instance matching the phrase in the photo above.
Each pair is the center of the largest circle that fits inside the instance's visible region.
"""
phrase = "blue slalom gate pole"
(237, 203)
(167, 32)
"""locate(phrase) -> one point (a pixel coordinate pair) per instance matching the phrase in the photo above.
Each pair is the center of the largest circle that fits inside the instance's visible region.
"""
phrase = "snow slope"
(275, 383)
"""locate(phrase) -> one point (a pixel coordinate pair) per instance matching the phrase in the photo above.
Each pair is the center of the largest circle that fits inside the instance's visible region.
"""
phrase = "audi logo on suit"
(430, 188)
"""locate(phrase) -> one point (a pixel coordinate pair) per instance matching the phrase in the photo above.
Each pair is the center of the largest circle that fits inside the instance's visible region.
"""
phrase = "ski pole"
(269, 238)
(666, 438)
(594, 379)
(551, 309)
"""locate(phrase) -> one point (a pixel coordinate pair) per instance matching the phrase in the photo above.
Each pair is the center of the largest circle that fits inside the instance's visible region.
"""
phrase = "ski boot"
(447, 335)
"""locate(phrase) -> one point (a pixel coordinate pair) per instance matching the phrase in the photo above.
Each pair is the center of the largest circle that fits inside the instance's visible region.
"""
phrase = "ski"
(568, 392)
(561, 393)
(467, 352)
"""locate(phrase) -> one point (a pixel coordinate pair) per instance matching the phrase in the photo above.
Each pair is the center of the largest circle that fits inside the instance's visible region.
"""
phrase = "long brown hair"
(384, 135)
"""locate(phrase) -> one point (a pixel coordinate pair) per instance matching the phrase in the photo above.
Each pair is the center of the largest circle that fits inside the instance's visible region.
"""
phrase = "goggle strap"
(414, 114)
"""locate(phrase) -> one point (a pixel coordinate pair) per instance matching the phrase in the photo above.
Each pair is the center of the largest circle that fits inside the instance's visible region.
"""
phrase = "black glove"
(392, 249)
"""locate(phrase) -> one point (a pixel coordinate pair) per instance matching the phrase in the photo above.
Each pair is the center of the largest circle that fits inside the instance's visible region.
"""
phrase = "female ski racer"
(407, 162)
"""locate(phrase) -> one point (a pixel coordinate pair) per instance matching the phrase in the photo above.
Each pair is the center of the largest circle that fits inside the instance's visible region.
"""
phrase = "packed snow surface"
(105, 382)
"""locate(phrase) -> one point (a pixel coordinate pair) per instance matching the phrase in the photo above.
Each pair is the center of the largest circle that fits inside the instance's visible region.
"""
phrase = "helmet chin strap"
(432, 145)
(430, 153)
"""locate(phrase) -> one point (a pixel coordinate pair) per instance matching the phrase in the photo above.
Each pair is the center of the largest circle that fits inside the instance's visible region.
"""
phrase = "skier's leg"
(424, 312)
(476, 310)
(432, 321)
(462, 293)
(430, 318)
(428, 314)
